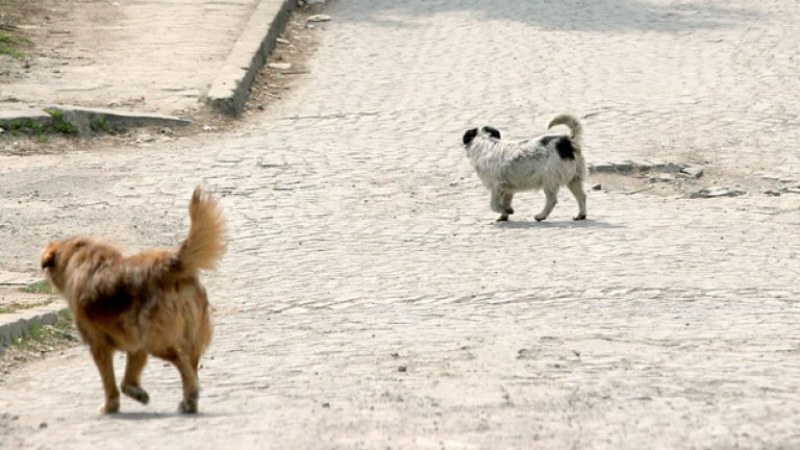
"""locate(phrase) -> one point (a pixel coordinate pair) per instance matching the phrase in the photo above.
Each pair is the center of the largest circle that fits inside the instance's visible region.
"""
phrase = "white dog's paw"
(540, 217)
(580, 216)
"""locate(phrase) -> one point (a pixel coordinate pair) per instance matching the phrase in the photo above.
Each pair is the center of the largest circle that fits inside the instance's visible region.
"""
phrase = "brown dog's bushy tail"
(205, 245)
(570, 121)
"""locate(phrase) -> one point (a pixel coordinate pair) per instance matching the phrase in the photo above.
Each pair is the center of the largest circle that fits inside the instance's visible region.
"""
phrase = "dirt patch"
(14, 298)
(17, 18)
(147, 56)
(288, 61)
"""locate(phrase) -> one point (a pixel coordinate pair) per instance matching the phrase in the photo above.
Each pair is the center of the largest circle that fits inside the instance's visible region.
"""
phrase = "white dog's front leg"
(550, 203)
(501, 203)
(505, 199)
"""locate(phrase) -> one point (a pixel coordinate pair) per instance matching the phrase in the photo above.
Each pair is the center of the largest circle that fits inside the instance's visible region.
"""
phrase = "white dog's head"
(487, 131)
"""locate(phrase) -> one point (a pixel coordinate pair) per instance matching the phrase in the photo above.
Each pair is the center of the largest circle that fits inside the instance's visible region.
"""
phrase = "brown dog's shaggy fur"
(148, 303)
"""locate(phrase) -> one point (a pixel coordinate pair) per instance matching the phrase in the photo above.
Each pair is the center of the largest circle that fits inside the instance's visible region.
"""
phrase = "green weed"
(28, 126)
(61, 124)
(98, 124)
(14, 307)
(9, 45)
(38, 287)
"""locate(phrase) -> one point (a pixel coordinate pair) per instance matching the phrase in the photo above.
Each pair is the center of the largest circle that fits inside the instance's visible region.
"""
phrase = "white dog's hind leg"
(550, 203)
(576, 186)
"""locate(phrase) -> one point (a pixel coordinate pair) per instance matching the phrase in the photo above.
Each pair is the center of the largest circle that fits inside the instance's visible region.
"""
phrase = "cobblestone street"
(367, 299)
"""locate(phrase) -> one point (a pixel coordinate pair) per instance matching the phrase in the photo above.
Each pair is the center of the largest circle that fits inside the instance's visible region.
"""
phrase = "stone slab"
(17, 324)
(84, 117)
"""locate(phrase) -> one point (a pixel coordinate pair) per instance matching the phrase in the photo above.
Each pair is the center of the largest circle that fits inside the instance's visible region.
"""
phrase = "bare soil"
(295, 46)
(17, 19)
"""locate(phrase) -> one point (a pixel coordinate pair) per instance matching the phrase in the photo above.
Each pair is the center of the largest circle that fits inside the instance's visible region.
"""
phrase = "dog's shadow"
(559, 224)
(146, 415)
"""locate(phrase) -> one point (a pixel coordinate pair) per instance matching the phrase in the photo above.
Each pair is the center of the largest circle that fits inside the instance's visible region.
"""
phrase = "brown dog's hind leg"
(191, 385)
(131, 383)
(103, 359)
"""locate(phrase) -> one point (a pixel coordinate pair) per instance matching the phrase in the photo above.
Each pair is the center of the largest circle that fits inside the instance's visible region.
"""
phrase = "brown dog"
(148, 303)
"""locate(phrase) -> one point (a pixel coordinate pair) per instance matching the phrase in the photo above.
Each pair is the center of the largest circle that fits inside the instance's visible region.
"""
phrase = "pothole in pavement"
(684, 180)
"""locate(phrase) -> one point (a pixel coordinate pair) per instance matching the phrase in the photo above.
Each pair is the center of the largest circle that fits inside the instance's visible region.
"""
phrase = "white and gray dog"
(547, 163)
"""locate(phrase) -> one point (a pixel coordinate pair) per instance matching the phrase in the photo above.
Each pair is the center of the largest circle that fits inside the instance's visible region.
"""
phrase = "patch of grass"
(65, 127)
(38, 287)
(58, 124)
(10, 51)
(61, 124)
(9, 45)
(29, 126)
(14, 307)
(98, 124)
(55, 113)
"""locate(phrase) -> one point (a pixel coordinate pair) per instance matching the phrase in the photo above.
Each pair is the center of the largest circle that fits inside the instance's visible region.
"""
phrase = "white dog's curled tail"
(571, 122)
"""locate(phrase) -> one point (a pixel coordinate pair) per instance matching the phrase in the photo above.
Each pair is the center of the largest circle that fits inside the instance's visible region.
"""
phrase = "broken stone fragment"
(693, 171)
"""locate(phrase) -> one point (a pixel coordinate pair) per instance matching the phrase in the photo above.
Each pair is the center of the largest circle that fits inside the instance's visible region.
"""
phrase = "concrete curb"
(230, 89)
(84, 118)
(18, 324)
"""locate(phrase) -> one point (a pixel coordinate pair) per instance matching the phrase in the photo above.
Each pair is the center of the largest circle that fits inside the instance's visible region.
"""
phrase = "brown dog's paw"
(189, 403)
(136, 393)
(503, 218)
(188, 406)
(580, 217)
(109, 407)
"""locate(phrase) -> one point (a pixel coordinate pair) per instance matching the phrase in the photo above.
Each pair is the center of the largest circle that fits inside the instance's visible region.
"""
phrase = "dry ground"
(29, 21)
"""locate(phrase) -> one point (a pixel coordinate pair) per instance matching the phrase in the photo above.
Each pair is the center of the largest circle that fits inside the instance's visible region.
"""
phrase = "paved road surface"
(368, 302)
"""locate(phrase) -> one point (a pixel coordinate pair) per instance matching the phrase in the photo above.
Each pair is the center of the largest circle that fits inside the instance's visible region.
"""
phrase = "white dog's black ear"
(491, 131)
(469, 136)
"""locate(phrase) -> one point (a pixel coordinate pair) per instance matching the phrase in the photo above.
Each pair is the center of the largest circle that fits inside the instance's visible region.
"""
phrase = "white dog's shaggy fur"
(547, 163)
